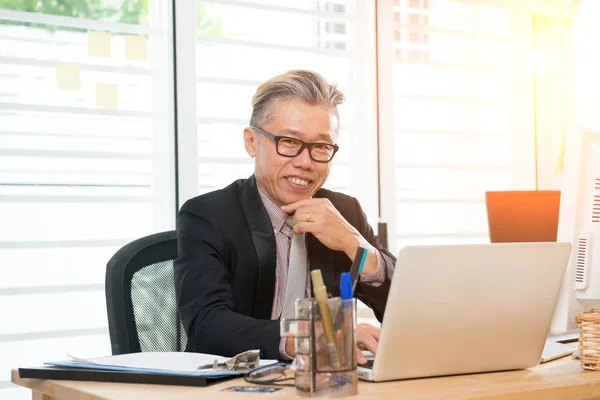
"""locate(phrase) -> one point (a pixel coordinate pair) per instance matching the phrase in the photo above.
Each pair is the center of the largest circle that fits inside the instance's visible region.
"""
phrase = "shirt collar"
(276, 216)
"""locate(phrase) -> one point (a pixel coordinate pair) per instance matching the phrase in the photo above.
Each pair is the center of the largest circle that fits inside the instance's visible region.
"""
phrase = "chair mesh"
(157, 321)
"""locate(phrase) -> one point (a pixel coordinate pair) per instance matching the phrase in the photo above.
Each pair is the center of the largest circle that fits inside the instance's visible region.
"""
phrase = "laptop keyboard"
(368, 365)
(370, 360)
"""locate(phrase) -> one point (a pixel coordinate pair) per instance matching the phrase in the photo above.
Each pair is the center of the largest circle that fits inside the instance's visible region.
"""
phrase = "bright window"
(244, 44)
(462, 118)
(86, 165)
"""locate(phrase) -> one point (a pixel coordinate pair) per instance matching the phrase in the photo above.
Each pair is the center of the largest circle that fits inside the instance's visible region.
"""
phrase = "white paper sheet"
(165, 362)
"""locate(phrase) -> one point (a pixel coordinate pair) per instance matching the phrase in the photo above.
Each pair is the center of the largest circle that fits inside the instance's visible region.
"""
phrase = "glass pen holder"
(325, 362)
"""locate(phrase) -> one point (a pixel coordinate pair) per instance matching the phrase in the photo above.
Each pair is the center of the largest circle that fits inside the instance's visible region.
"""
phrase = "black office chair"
(140, 297)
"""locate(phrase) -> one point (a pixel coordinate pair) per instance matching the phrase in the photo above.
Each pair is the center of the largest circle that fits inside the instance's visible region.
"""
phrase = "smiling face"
(287, 180)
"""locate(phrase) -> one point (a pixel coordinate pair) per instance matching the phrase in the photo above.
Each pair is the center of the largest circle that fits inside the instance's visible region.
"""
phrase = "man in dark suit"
(234, 268)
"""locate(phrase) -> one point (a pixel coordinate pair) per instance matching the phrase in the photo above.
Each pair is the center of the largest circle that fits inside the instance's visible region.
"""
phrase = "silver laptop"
(460, 309)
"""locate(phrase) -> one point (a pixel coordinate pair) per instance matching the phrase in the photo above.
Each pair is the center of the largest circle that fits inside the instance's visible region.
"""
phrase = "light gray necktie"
(296, 277)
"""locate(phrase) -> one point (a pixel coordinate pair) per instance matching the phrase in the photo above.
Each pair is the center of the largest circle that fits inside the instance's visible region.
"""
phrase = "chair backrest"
(140, 297)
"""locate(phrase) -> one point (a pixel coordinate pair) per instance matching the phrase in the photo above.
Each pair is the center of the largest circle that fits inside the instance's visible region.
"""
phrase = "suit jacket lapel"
(263, 239)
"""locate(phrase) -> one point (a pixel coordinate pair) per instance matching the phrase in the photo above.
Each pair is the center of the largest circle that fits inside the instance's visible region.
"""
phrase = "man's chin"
(293, 198)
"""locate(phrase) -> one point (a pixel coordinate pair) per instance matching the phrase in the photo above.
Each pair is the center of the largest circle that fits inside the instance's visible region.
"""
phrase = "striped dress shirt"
(283, 239)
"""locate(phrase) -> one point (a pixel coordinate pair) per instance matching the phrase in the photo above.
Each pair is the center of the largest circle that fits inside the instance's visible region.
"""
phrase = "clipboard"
(102, 375)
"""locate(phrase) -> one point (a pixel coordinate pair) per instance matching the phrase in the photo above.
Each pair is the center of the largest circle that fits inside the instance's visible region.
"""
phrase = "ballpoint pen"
(346, 294)
(346, 291)
(320, 292)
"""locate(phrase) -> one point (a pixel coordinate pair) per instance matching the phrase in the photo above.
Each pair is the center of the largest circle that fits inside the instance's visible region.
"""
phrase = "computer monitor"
(579, 224)
(522, 215)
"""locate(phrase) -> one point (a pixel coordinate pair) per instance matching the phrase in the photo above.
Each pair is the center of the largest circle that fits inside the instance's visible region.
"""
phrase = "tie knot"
(287, 227)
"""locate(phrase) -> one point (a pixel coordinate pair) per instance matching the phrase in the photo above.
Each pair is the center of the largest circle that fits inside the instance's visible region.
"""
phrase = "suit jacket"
(225, 272)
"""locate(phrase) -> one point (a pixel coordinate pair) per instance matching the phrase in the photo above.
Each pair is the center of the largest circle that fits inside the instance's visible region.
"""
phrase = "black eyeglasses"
(292, 147)
(273, 375)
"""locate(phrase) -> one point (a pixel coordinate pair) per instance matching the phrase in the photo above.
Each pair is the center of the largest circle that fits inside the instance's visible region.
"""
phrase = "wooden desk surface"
(558, 379)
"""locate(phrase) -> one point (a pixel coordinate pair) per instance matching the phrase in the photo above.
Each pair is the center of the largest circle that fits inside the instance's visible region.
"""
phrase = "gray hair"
(305, 85)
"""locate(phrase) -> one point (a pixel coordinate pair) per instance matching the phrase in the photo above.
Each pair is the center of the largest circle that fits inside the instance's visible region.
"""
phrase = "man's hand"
(323, 220)
(367, 337)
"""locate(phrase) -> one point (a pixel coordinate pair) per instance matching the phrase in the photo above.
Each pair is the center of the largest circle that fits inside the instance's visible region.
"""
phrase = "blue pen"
(345, 286)
(346, 294)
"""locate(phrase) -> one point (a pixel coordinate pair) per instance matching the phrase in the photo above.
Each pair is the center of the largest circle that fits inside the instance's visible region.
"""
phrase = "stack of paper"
(169, 363)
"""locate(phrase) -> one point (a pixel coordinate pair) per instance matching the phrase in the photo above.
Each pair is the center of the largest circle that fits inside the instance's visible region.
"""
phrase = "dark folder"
(98, 375)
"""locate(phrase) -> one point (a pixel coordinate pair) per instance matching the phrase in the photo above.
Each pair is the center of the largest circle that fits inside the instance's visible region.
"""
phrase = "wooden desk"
(559, 379)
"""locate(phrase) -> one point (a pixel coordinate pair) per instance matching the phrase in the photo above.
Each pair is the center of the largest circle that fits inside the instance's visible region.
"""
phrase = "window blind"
(462, 115)
(86, 160)
(244, 43)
